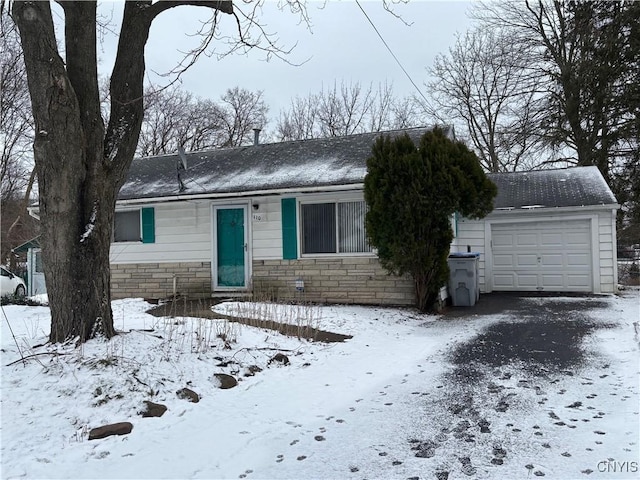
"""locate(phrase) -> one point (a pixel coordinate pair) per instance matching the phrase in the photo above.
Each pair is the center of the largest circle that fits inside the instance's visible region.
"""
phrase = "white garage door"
(542, 256)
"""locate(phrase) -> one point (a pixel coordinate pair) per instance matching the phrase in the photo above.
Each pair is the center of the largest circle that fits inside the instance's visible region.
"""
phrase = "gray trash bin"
(464, 287)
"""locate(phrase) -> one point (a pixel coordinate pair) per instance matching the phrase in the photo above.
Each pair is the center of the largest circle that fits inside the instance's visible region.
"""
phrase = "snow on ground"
(384, 404)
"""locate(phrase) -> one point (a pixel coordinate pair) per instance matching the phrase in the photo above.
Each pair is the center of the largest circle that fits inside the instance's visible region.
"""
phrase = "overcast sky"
(341, 45)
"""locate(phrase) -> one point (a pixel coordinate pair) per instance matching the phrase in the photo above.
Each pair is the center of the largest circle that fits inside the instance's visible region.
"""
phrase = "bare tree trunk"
(80, 164)
(76, 190)
(76, 267)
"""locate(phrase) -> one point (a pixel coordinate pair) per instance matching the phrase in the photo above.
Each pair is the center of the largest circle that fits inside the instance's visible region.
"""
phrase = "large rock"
(251, 370)
(189, 395)
(280, 358)
(225, 381)
(121, 428)
(153, 409)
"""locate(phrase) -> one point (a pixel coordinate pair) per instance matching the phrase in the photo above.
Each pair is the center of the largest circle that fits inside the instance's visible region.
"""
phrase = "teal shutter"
(289, 237)
(148, 225)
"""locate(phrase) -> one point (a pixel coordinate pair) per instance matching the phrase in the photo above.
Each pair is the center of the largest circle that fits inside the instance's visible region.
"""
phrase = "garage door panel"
(553, 260)
(553, 240)
(578, 260)
(538, 256)
(526, 260)
(526, 240)
(504, 281)
(524, 281)
(579, 281)
(578, 240)
(503, 240)
(503, 261)
(553, 281)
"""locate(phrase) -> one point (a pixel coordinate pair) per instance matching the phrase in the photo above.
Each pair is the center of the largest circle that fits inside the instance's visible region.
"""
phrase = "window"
(135, 226)
(127, 226)
(38, 261)
(333, 227)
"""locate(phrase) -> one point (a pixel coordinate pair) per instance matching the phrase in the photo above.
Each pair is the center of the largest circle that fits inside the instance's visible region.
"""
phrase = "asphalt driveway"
(531, 384)
(542, 337)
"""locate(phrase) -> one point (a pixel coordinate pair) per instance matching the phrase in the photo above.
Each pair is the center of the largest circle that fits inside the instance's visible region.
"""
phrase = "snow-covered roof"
(568, 187)
(335, 162)
(314, 163)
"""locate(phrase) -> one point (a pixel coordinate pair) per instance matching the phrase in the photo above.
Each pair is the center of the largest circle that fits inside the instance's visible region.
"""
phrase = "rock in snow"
(121, 428)
(225, 381)
(189, 395)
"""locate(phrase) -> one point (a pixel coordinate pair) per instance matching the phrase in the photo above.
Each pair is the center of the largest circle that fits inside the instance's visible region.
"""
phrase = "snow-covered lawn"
(384, 404)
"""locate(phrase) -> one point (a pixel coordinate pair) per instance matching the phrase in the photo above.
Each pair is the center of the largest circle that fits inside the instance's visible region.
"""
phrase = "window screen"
(127, 226)
(352, 235)
(321, 221)
(318, 228)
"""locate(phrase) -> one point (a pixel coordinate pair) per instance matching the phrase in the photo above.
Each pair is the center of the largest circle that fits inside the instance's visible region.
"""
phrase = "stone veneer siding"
(155, 280)
(336, 280)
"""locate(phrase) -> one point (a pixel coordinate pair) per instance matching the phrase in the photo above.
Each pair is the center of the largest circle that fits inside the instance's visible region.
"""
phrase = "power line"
(393, 55)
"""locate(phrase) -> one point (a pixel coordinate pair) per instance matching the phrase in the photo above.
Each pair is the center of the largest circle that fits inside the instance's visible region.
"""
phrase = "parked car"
(11, 284)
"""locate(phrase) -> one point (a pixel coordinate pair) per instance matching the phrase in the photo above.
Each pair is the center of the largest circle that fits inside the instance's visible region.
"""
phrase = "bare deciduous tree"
(16, 121)
(585, 60)
(16, 138)
(586, 56)
(82, 162)
(241, 112)
(345, 110)
(485, 84)
(174, 118)
(300, 121)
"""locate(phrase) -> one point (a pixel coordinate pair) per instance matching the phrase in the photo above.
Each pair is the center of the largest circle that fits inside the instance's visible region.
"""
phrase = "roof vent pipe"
(256, 136)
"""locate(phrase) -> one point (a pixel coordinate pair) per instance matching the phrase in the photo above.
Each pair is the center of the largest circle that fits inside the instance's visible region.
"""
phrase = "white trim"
(488, 258)
(614, 239)
(595, 255)
(215, 206)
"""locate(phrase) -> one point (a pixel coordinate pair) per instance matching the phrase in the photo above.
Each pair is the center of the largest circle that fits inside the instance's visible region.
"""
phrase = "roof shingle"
(569, 187)
(274, 166)
(337, 161)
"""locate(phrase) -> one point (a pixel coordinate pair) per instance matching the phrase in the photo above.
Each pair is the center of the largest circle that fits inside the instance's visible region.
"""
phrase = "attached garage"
(550, 231)
(539, 256)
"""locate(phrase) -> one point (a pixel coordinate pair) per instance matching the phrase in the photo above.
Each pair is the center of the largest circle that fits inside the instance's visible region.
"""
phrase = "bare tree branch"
(346, 110)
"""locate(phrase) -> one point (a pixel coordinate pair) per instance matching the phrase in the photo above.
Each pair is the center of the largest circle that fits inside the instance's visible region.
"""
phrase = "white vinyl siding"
(267, 229)
(470, 237)
(183, 234)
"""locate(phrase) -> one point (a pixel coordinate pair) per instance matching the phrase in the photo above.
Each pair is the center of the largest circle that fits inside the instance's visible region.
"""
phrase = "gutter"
(251, 193)
(533, 211)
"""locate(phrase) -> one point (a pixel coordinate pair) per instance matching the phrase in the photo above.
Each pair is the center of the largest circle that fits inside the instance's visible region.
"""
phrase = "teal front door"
(231, 247)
